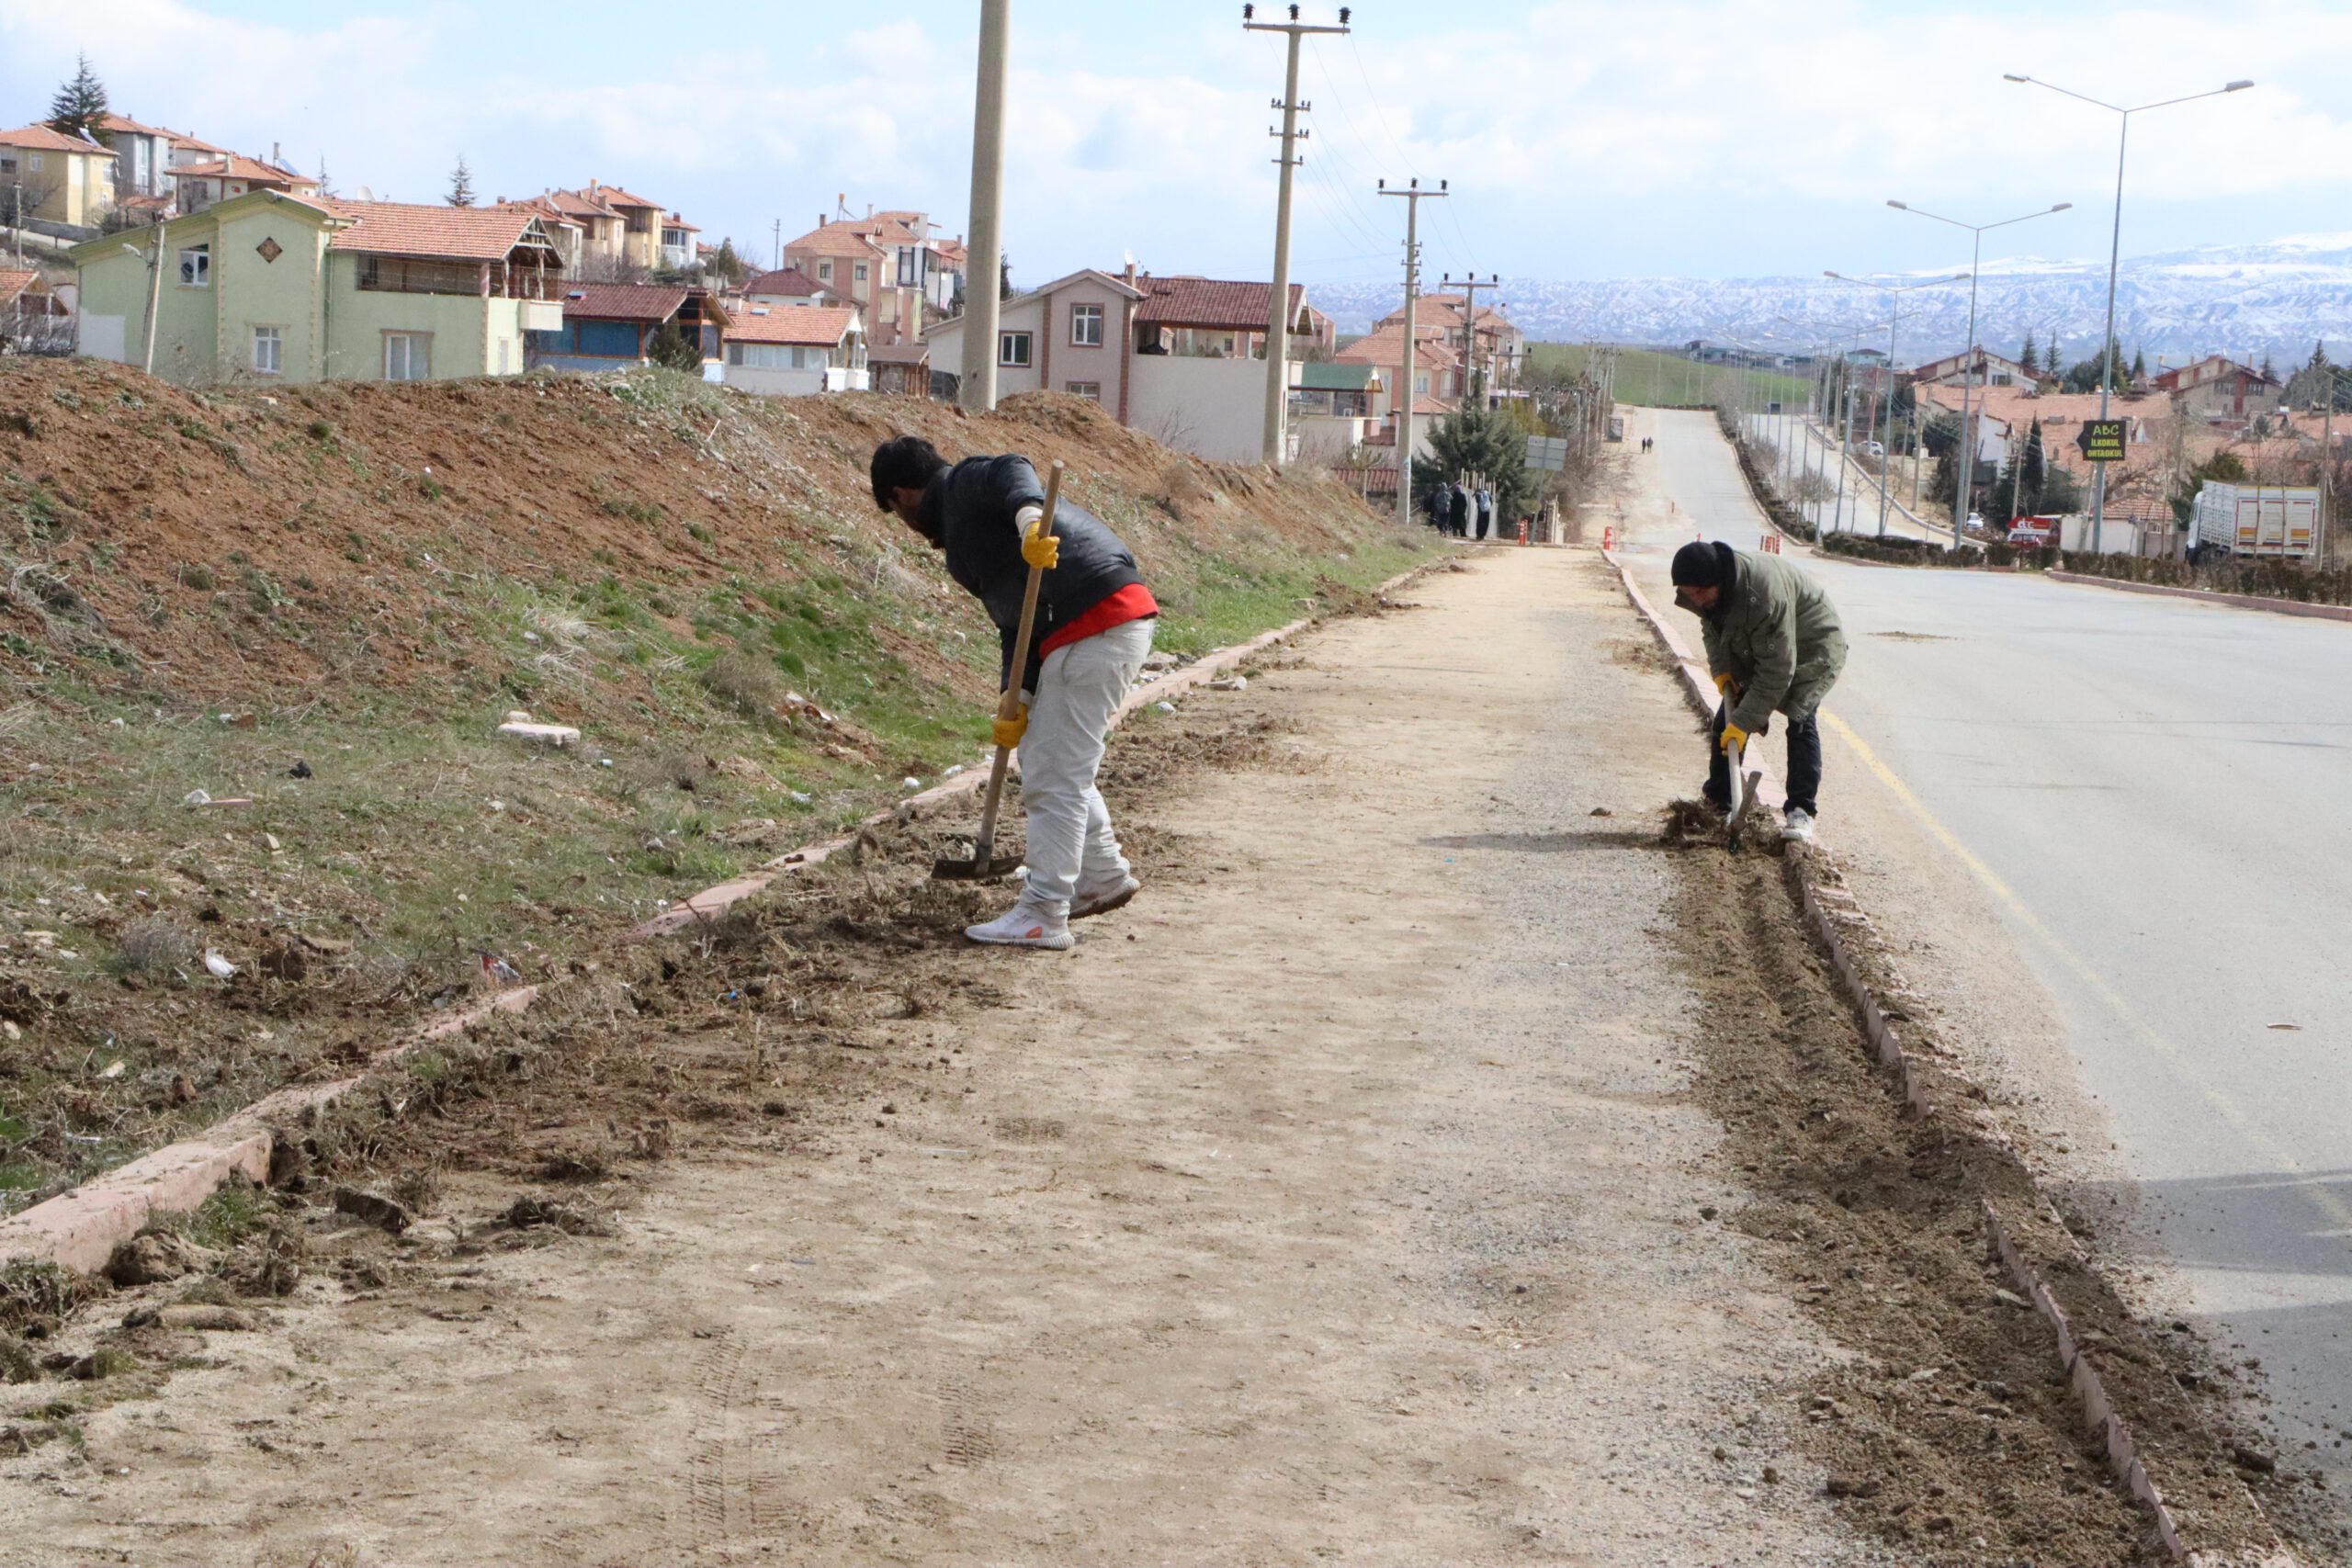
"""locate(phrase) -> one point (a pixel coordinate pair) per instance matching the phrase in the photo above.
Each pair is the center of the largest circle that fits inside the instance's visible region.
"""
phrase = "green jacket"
(1775, 633)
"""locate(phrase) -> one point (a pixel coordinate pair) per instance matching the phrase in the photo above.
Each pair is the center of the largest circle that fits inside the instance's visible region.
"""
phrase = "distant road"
(2157, 797)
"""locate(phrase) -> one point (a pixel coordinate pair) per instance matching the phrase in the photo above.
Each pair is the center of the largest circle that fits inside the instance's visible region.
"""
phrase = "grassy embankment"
(208, 591)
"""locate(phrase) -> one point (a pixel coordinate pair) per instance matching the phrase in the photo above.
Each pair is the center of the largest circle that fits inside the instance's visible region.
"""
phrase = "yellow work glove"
(1009, 731)
(1041, 550)
(1726, 685)
(1735, 739)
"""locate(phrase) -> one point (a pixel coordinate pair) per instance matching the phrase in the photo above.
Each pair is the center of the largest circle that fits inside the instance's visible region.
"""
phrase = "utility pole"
(1278, 305)
(986, 259)
(155, 297)
(1470, 286)
(777, 254)
(1412, 193)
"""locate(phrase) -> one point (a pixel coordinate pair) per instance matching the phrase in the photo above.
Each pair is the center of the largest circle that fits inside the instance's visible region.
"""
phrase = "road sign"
(1547, 453)
(2101, 441)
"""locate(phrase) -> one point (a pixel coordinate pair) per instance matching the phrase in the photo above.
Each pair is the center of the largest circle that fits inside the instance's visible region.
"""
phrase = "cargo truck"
(2257, 520)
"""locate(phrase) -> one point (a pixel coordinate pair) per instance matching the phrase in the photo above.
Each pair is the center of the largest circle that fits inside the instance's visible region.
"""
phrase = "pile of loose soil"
(234, 543)
(1950, 1431)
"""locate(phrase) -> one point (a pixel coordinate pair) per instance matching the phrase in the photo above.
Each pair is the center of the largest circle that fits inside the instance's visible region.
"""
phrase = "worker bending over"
(1094, 623)
(1773, 645)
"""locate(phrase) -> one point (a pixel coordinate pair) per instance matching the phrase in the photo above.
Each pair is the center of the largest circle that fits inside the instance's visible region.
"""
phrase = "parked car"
(1874, 448)
(2034, 533)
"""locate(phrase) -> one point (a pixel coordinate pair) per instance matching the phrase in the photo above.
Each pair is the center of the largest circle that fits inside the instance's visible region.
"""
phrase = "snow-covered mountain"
(2245, 300)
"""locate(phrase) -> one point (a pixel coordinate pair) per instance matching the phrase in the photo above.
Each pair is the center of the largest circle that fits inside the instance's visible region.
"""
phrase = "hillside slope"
(317, 602)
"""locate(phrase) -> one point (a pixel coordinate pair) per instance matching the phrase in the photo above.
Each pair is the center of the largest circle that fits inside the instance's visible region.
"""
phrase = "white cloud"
(1153, 140)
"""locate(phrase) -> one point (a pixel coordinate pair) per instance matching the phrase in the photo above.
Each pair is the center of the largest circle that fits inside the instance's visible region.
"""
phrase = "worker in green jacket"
(1773, 645)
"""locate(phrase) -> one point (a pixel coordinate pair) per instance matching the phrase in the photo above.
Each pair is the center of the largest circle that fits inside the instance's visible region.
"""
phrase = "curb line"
(2210, 597)
(2090, 1391)
(80, 1228)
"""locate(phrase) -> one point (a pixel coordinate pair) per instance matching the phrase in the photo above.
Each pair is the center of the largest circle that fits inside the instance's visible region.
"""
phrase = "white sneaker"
(1103, 898)
(1029, 923)
(1798, 827)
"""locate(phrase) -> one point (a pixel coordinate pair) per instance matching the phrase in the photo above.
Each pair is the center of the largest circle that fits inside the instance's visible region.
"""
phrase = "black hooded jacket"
(970, 512)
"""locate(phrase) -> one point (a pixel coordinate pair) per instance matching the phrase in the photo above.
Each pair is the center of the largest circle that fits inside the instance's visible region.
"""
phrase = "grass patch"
(1669, 381)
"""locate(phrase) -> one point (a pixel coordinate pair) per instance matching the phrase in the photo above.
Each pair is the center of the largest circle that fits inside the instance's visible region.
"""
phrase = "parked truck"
(2257, 520)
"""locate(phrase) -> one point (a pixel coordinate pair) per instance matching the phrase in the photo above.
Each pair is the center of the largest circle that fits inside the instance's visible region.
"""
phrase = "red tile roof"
(788, 281)
(409, 229)
(909, 351)
(578, 204)
(815, 325)
(14, 281)
(112, 121)
(623, 301)
(235, 166)
(613, 196)
(841, 239)
(674, 222)
(1207, 302)
(41, 139)
(194, 143)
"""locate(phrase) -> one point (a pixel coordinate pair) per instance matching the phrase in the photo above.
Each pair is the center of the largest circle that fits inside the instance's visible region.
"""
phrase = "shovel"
(1743, 795)
(983, 866)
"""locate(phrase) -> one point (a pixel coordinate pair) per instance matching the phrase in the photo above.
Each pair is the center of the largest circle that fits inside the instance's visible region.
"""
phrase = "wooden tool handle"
(1009, 707)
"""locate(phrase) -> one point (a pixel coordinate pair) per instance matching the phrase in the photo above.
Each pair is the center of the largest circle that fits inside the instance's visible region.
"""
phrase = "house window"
(825, 271)
(775, 357)
(408, 356)
(195, 267)
(1013, 349)
(269, 348)
(1090, 390)
(910, 262)
(1420, 382)
(859, 275)
(505, 356)
(32, 162)
(1086, 325)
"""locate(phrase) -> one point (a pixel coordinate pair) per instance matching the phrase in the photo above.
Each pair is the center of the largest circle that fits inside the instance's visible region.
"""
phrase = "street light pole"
(1278, 309)
(2114, 258)
(1973, 356)
(1895, 316)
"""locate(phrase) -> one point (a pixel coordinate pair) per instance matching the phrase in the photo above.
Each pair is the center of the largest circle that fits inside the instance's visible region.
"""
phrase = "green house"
(274, 287)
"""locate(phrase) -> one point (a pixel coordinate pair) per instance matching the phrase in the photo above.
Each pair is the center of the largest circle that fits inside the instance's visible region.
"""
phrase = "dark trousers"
(1804, 765)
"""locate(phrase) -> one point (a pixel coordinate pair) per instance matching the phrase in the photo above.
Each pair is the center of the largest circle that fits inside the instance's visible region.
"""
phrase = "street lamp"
(1967, 464)
(1895, 315)
(2115, 251)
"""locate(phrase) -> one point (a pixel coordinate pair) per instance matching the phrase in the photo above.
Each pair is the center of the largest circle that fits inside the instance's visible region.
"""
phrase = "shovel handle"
(1009, 705)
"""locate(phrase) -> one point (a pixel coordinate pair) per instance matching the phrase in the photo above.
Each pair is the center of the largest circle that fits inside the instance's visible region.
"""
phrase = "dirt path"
(1345, 1199)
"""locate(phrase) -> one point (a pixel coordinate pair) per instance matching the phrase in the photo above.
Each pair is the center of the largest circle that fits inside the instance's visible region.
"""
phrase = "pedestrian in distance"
(1485, 515)
(1458, 510)
(1773, 645)
(1094, 625)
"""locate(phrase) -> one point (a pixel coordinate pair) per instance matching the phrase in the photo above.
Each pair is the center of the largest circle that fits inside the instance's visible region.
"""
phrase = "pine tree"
(2270, 368)
(80, 105)
(461, 184)
(2034, 467)
(725, 264)
(2139, 365)
(2319, 355)
(2027, 358)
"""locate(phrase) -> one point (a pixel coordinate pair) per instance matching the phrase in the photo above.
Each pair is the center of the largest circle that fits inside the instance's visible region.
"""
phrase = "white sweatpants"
(1079, 688)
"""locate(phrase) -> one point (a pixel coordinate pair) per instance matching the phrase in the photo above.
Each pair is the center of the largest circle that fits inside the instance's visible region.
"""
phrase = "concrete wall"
(776, 383)
(250, 292)
(1324, 439)
(1212, 408)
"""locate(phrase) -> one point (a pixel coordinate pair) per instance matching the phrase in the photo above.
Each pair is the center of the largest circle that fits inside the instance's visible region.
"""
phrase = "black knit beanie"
(1701, 564)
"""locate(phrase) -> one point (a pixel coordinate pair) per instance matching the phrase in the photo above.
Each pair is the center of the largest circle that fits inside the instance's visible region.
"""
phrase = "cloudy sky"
(1582, 138)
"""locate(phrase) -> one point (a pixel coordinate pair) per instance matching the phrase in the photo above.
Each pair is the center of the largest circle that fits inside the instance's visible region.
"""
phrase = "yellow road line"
(2337, 1211)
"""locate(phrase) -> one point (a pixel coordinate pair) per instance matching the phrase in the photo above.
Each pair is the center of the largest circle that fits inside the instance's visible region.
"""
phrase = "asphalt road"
(2155, 798)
